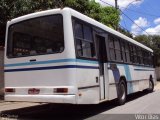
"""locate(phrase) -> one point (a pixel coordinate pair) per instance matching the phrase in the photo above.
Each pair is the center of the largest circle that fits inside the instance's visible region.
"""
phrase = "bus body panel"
(47, 72)
(137, 78)
(88, 87)
(53, 77)
(81, 77)
(43, 98)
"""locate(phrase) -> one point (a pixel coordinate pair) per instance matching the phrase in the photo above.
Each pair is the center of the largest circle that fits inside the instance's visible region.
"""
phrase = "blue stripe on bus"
(50, 61)
(128, 74)
(127, 71)
(86, 61)
(128, 77)
(137, 69)
(50, 68)
(137, 66)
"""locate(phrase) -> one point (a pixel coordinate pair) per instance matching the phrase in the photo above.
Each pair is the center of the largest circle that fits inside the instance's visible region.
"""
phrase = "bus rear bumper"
(71, 99)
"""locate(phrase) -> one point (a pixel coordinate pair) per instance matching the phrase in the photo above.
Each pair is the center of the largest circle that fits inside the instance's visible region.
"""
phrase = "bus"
(63, 56)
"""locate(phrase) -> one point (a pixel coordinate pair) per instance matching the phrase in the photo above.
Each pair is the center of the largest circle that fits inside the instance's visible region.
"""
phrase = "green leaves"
(152, 41)
(10, 9)
(106, 15)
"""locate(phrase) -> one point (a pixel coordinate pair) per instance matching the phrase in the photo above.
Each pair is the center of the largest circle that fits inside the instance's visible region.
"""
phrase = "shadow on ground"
(59, 111)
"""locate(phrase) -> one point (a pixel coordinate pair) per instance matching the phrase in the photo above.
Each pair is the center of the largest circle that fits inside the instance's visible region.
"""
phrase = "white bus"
(63, 56)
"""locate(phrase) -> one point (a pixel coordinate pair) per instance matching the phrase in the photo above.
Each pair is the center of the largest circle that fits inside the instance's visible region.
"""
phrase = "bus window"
(139, 55)
(148, 58)
(145, 57)
(127, 52)
(38, 36)
(151, 59)
(118, 50)
(135, 54)
(131, 53)
(123, 51)
(111, 49)
(87, 33)
(79, 30)
(84, 40)
(22, 44)
(79, 36)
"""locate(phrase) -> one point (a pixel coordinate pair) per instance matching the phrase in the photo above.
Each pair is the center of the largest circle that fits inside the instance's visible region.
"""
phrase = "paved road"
(139, 103)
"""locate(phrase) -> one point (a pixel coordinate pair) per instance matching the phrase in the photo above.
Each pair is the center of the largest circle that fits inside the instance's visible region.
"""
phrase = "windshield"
(37, 36)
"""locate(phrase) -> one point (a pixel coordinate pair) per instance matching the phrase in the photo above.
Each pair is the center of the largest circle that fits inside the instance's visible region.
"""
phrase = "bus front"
(38, 66)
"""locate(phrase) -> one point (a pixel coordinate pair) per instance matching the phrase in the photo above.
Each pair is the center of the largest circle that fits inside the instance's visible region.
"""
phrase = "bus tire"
(122, 92)
(151, 85)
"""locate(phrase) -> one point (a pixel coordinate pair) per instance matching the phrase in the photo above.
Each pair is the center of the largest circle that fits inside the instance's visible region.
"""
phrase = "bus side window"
(88, 50)
(131, 53)
(144, 57)
(111, 48)
(127, 52)
(151, 60)
(123, 51)
(79, 36)
(148, 58)
(135, 54)
(118, 50)
(139, 55)
(84, 41)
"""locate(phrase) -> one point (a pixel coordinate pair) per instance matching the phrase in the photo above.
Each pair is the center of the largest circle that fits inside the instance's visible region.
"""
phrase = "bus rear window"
(37, 36)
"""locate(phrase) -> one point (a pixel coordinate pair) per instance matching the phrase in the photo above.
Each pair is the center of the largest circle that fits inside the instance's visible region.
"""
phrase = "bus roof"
(82, 17)
(36, 14)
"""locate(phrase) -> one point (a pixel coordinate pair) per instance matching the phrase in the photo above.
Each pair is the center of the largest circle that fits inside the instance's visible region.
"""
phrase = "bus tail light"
(33, 91)
(60, 90)
(10, 90)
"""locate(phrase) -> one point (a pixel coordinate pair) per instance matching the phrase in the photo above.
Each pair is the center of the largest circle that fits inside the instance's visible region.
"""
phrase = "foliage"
(106, 15)
(79, 5)
(10, 9)
(152, 41)
(125, 32)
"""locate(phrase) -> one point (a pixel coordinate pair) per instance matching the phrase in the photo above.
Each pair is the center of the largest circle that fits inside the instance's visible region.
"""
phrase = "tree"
(125, 32)
(106, 15)
(144, 39)
(79, 5)
(11, 9)
(152, 41)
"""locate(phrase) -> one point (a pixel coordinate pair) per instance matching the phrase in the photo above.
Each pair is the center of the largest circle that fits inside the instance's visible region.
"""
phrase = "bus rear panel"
(38, 67)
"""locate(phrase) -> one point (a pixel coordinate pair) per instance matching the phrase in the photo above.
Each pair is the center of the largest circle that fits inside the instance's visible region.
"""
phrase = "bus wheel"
(151, 85)
(122, 92)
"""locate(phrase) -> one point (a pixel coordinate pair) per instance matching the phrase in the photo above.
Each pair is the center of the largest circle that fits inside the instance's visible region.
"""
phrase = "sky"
(138, 16)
